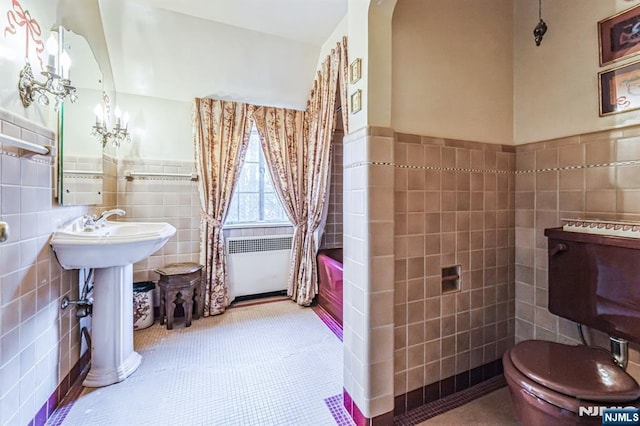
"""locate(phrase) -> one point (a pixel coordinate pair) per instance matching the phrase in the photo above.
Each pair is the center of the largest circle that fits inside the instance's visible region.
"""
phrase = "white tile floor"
(270, 364)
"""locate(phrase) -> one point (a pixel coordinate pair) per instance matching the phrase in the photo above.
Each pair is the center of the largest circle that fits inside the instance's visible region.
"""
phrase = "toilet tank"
(595, 280)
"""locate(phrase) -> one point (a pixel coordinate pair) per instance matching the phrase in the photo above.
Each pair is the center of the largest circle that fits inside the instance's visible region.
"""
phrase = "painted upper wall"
(163, 54)
(19, 41)
(339, 31)
(161, 129)
(556, 84)
(452, 69)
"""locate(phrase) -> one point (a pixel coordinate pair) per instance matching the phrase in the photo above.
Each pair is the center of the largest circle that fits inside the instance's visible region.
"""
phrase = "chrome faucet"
(88, 223)
(102, 219)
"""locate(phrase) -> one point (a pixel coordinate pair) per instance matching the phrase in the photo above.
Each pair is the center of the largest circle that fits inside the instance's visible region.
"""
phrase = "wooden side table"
(179, 279)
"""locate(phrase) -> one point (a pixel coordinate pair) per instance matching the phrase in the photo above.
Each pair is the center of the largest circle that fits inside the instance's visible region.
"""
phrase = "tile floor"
(259, 364)
(268, 364)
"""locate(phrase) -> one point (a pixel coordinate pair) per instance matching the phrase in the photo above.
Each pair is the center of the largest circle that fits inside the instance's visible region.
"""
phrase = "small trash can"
(143, 304)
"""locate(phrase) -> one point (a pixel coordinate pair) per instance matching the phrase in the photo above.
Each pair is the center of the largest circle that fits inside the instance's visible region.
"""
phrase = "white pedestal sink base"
(112, 356)
(111, 249)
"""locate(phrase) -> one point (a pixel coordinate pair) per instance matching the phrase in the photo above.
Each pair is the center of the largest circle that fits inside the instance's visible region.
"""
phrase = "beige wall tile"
(600, 151)
(627, 149)
(600, 201)
(36, 348)
(573, 179)
(571, 155)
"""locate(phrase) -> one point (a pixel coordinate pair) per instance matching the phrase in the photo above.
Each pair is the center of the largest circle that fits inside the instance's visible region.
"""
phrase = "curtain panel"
(344, 84)
(284, 143)
(221, 134)
(320, 118)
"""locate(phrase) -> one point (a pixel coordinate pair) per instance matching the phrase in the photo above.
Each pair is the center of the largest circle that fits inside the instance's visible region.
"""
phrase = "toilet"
(594, 280)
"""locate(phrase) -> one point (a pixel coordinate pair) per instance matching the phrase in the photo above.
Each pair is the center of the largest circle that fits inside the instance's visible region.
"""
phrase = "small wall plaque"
(356, 101)
(355, 70)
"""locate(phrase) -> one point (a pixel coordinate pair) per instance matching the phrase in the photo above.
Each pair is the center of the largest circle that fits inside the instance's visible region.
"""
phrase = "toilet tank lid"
(579, 371)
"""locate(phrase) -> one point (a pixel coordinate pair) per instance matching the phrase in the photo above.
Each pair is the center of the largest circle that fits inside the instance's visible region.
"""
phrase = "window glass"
(254, 199)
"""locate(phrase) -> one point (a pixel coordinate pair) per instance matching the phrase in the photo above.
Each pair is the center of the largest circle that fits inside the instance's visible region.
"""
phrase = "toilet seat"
(580, 372)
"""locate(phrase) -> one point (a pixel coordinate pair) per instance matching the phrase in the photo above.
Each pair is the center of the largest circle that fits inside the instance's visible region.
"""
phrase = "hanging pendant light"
(540, 29)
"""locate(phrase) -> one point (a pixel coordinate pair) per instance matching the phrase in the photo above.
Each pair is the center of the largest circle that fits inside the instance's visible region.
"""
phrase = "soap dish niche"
(451, 279)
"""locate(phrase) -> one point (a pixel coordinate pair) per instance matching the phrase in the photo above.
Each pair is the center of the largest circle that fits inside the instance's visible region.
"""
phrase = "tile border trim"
(436, 168)
(338, 411)
(67, 391)
(624, 163)
(585, 166)
(328, 320)
(385, 419)
(458, 399)
(445, 387)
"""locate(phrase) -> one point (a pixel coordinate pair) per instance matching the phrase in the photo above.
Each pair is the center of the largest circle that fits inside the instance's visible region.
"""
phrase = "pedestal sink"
(111, 250)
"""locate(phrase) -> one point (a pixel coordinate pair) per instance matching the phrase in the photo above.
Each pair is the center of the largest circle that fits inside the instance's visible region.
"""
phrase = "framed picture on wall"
(619, 35)
(619, 89)
(356, 101)
(355, 70)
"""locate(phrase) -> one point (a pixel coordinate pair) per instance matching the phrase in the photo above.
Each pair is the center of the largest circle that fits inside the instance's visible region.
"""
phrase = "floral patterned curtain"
(221, 134)
(297, 148)
(344, 84)
(284, 143)
(320, 117)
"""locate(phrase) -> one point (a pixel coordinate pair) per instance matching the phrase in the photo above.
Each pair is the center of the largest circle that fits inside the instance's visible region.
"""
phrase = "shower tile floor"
(269, 364)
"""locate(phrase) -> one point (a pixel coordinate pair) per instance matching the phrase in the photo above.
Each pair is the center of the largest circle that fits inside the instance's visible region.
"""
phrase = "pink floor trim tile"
(58, 416)
(338, 411)
(333, 325)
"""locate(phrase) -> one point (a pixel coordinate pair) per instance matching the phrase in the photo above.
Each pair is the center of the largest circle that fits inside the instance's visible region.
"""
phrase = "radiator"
(257, 264)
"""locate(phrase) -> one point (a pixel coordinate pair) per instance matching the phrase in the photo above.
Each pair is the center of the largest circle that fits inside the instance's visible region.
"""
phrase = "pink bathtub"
(330, 282)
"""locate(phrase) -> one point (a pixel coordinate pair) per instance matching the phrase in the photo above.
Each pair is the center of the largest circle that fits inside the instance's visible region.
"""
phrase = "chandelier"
(118, 133)
(57, 85)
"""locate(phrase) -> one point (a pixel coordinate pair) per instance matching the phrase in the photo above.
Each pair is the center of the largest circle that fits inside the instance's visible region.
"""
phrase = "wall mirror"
(80, 165)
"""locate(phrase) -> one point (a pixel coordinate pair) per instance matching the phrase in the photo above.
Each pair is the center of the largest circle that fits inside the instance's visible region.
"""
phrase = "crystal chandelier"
(116, 135)
(57, 85)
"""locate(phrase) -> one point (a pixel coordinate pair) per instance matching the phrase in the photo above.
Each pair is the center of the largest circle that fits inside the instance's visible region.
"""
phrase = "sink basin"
(115, 244)
(111, 251)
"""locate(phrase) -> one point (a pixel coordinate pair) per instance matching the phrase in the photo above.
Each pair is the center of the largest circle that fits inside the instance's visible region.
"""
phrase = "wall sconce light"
(119, 133)
(57, 85)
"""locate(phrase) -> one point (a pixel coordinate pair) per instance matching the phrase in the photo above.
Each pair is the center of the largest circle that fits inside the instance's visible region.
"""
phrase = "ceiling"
(256, 51)
(307, 21)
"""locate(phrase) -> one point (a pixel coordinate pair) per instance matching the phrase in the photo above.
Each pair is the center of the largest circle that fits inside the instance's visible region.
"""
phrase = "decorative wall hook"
(540, 29)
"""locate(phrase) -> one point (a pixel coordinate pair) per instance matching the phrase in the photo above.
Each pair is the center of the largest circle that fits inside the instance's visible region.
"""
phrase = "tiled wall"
(168, 199)
(110, 182)
(368, 274)
(589, 176)
(332, 237)
(162, 199)
(39, 343)
(454, 205)
(82, 188)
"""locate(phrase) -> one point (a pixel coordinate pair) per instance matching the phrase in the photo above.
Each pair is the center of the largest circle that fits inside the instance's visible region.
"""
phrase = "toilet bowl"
(549, 382)
(592, 280)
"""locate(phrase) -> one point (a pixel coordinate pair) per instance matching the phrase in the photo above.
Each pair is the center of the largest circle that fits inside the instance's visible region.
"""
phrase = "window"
(254, 198)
